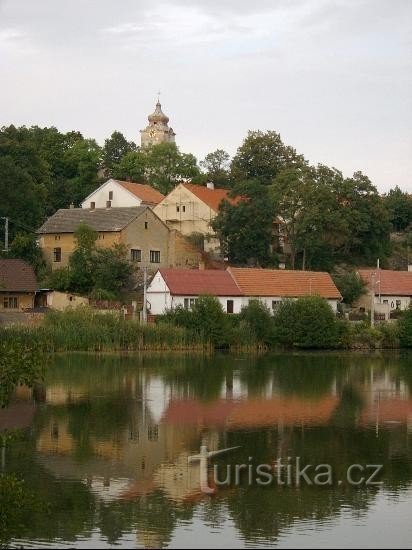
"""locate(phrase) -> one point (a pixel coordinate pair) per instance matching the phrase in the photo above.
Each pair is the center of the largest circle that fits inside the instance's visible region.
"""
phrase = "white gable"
(121, 196)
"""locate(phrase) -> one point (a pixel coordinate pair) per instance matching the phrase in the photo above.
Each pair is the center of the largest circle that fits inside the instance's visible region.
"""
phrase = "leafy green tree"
(308, 322)
(259, 319)
(216, 167)
(209, 320)
(81, 266)
(25, 247)
(132, 166)
(245, 229)
(262, 156)
(115, 148)
(167, 166)
(405, 329)
(399, 205)
(350, 285)
(111, 269)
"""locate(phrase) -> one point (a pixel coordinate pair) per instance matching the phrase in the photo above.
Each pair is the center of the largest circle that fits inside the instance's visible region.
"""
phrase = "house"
(271, 286)
(149, 242)
(18, 285)
(392, 290)
(235, 287)
(171, 288)
(191, 208)
(118, 194)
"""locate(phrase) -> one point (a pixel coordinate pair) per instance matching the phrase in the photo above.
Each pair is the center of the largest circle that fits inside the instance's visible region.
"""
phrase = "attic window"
(92, 205)
(146, 225)
(110, 195)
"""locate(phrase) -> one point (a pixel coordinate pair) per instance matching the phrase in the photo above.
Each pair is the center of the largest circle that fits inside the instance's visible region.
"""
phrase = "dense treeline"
(325, 218)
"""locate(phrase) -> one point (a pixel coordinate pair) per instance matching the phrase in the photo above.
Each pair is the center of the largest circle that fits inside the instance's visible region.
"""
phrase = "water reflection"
(109, 438)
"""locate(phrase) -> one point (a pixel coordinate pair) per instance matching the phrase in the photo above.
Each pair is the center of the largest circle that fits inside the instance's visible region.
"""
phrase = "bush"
(405, 329)
(308, 322)
(259, 320)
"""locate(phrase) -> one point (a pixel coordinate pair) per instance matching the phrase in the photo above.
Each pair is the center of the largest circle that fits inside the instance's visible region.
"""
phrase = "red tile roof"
(17, 276)
(211, 197)
(389, 283)
(193, 282)
(144, 192)
(281, 282)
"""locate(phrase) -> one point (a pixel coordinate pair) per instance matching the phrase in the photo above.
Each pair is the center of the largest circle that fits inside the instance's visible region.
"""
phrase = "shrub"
(308, 322)
(259, 320)
(405, 329)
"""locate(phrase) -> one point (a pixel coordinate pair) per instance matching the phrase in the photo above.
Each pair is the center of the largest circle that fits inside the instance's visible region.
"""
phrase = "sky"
(333, 77)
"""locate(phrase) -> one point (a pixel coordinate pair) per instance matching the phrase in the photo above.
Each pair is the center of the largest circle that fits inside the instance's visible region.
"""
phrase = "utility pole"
(144, 312)
(373, 300)
(6, 234)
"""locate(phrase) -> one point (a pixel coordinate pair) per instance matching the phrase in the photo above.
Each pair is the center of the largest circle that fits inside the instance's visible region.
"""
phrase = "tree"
(405, 329)
(131, 167)
(258, 318)
(216, 167)
(81, 266)
(25, 247)
(399, 205)
(115, 148)
(245, 229)
(350, 285)
(166, 166)
(111, 270)
(262, 156)
(308, 322)
(210, 321)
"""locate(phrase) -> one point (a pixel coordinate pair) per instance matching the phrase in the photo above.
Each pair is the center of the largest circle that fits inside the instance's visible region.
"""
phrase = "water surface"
(106, 442)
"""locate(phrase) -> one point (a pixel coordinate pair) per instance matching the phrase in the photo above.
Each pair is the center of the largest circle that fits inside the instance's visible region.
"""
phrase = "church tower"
(158, 130)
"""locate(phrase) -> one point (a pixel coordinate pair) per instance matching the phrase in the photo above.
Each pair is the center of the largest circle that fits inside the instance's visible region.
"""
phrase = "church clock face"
(152, 133)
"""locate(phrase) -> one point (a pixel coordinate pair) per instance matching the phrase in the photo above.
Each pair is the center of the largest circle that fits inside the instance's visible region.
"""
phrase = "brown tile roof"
(17, 276)
(281, 282)
(146, 193)
(193, 282)
(100, 219)
(211, 197)
(389, 283)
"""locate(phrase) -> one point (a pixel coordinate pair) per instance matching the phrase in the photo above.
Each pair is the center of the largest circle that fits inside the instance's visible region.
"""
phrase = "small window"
(192, 302)
(155, 256)
(110, 195)
(57, 237)
(386, 302)
(275, 304)
(229, 306)
(398, 304)
(136, 255)
(146, 225)
(10, 302)
(92, 205)
(153, 433)
(183, 208)
(108, 204)
(186, 303)
(57, 255)
(177, 208)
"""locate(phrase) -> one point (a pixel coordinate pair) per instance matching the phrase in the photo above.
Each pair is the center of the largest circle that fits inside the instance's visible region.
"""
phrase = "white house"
(235, 287)
(116, 193)
(171, 288)
(392, 289)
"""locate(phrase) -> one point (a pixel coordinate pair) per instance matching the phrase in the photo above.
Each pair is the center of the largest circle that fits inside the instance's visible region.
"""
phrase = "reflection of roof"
(193, 282)
(211, 197)
(146, 193)
(282, 282)
(99, 219)
(388, 282)
(17, 416)
(17, 276)
(388, 410)
(252, 412)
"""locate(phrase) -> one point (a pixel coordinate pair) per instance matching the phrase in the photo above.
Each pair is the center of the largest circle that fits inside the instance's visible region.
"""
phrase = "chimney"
(410, 268)
(210, 185)
(282, 265)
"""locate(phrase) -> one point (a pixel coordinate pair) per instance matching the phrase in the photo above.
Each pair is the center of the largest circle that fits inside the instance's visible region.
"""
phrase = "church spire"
(158, 130)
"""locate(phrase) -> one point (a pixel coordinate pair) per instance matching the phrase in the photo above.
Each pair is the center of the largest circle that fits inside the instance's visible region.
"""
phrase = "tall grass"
(85, 330)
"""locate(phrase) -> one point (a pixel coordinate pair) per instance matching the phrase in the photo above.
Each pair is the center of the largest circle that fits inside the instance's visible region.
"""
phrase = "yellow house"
(148, 240)
(18, 285)
(191, 208)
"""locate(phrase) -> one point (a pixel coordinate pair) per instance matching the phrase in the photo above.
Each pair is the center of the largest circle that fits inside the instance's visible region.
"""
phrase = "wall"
(121, 197)
(182, 253)
(62, 300)
(25, 301)
(195, 219)
(365, 301)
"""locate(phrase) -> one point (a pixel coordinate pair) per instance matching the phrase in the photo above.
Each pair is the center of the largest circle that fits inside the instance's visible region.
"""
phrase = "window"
(136, 255)
(10, 302)
(155, 256)
(398, 304)
(229, 306)
(57, 254)
(57, 237)
(275, 304)
(183, 208)
(108, 204)
(153, 433)
(92, 205)
(189, 302)
(101, 237)
(146, 225)
(177, 208)
(110, 195)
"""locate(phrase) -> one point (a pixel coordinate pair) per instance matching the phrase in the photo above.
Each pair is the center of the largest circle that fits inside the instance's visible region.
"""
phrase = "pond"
(106, 442)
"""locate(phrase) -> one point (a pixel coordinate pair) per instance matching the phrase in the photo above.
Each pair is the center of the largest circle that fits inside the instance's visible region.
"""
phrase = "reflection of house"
(392, 289)
(149, 242)
(235, 287)
(18, 285)
(191, 208)
(115, 193)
